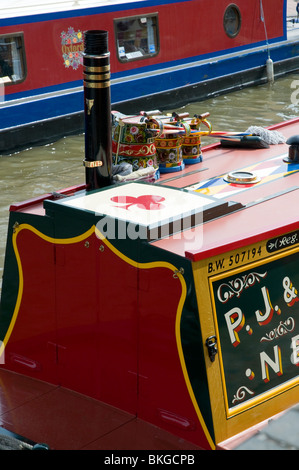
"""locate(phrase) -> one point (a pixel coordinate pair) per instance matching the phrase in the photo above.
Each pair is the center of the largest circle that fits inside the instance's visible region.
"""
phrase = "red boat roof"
(268, 205)
(233, 214)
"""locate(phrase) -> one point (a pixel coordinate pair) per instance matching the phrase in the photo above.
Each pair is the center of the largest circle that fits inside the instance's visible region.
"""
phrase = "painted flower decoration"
(72, 48)
(134, 130)
(142, 163)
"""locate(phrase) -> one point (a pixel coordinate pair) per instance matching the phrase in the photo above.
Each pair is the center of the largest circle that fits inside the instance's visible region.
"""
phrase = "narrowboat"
(164, 53)
(142, 312)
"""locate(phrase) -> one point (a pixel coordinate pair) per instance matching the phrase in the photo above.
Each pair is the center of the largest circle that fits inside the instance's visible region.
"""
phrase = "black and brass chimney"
(97, 108)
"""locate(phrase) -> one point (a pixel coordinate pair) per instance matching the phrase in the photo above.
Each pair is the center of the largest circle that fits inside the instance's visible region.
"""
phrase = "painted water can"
(191, 148)
(133, 142)
(191, 145)
(169, 152)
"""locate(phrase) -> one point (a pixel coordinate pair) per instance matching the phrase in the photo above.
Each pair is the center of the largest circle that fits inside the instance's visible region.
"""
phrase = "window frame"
(19, 36)
(237, 10)
(147, 55)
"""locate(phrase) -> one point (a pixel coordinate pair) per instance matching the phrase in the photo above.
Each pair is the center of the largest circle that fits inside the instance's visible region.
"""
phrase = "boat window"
(232, 20)
(12, 58)
(137, 37)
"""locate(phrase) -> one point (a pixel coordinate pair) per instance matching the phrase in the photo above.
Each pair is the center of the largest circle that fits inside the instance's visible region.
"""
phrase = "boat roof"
(17, 8)
(264, 209)
(234, 215)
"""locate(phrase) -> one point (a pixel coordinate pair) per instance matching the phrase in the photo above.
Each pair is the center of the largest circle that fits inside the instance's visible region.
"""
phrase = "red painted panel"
(72, 329)
(31, 347)
(116, 287)
(163, 394)
(187, 29)
(76, 308)
(97, 322)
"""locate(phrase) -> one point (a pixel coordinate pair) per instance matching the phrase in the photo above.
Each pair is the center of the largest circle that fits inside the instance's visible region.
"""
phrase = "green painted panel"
(256, 310)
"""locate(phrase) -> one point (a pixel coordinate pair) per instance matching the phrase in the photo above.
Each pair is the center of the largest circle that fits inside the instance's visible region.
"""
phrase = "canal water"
(59, 165)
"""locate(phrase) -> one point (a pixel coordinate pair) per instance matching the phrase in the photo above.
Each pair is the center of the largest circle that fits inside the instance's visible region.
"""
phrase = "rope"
(270, 137)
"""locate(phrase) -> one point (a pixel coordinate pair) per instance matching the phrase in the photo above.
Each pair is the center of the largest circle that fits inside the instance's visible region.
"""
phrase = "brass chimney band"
(104, 76)
(93, 164)
(103, 68)
(97, 84)
(93, 81)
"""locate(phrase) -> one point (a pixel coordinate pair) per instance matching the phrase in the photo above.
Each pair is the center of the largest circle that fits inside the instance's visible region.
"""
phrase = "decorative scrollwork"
(235, 287)
(241, 394)
(283, 328)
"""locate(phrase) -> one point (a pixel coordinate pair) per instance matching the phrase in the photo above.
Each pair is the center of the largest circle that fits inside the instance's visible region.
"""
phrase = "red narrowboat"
(164, 53)
(141, 313)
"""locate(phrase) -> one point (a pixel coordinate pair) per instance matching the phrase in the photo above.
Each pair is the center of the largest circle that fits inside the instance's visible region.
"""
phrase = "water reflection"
(257, 106)
(52, 167)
